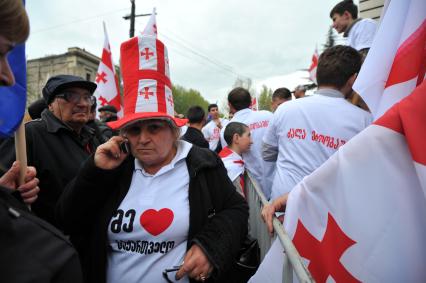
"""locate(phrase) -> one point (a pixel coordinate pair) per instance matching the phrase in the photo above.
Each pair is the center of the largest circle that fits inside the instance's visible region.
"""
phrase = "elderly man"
(107, 113)
(59, 142)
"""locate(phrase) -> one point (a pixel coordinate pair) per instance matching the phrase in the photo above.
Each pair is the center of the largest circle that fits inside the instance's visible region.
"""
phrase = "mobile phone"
(125, 147)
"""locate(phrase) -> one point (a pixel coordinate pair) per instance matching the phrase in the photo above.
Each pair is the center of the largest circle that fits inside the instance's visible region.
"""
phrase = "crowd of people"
(140, 200)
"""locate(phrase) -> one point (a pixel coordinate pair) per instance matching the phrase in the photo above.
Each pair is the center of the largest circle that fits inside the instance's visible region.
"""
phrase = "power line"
(206, 58)
(76, 21)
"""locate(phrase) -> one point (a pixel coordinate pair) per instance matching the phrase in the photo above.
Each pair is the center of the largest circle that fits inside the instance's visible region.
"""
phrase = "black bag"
(247, 262)
(32, 250)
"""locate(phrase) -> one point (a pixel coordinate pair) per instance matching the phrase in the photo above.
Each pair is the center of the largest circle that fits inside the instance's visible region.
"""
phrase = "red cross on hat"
(147, 87)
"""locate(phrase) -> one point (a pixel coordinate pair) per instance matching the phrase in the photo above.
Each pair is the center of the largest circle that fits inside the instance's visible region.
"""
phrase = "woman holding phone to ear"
(163, 212)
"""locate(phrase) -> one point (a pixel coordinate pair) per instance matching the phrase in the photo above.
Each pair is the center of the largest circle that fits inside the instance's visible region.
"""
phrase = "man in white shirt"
(359, 32)
(239, 101)
(211, 130)
(304, 133)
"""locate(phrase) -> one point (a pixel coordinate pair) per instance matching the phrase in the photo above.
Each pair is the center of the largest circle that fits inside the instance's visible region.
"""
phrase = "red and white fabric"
(151, 26)
(360, 216)
(233, 162)
(313, 68)
(147, 86)
(396, 62)
(108, 91)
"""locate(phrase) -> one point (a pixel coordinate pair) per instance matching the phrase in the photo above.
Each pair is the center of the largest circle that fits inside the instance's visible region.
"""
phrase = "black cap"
(108, 108)
(58, 83)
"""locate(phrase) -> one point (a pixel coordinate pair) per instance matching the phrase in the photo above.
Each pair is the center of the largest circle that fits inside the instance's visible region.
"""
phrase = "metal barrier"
(292, 260)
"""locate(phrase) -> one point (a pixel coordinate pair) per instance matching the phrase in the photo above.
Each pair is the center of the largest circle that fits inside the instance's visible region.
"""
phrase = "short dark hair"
(195, 114)
(239, 98)
(232, 129)
(337, 64)
(346, 5)
(213, 105)
(282, 92)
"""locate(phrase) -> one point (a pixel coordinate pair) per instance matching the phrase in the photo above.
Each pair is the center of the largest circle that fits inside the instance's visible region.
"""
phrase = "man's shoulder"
(36, 125)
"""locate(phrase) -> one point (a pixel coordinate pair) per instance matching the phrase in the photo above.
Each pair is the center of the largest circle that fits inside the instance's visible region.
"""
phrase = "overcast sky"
(210, 42)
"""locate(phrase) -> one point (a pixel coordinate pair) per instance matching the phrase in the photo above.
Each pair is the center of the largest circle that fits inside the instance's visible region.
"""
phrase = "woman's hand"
(268, 211)
(108, 155)
(196, 265)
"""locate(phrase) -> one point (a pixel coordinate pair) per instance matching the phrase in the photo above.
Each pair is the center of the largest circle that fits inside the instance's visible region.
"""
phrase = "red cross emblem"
(170, 99)
(101, 77)
(324, 256)
(146, 92)
(147, 53)
(103, 101)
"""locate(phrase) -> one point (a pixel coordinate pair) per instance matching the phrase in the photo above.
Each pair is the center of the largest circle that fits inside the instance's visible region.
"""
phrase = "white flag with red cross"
(108, 91)
(360, 217)
(151, 27)
(396, 62)
(313, 68)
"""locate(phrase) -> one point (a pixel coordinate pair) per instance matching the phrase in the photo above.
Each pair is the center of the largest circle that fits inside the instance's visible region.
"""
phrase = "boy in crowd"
(211, 130)
(239, 140)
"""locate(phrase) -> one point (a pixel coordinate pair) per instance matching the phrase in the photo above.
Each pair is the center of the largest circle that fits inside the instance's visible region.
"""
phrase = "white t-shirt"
(211, 132)
(149, 231)
(361, 34)
(308, 131)
(261, 170)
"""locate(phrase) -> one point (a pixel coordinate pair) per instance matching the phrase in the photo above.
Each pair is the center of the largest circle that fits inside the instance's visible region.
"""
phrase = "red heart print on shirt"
(156, 222)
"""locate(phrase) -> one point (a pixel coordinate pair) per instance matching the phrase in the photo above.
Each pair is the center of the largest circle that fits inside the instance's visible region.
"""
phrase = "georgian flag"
(360, 217)
(108, 91)
(313, 68)
(233, 162)
(151, 26)
(396, 62)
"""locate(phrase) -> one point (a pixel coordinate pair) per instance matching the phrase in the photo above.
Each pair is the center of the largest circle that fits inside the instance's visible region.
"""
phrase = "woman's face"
(6, 75)
(152, 142)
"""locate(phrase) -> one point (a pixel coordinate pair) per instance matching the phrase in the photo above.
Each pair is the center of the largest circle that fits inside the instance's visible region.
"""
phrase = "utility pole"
(132, 17)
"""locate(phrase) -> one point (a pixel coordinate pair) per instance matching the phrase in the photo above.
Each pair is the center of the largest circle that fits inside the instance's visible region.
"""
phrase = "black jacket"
(32, 250)
(217, 220)
(196, 137)
(56, 152)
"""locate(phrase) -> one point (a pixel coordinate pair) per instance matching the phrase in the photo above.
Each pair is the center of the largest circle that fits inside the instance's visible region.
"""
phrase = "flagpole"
(21, 151)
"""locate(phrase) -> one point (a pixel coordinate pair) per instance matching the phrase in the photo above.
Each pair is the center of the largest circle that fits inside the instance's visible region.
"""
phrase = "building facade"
(75, 61)
(371, 9)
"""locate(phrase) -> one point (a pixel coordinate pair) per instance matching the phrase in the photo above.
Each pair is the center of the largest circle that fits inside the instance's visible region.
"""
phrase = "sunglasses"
(151, 126)
(166, 271)
(75, 98)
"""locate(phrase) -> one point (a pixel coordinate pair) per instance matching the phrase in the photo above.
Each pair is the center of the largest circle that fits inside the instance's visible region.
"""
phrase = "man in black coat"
(197, 119)
(59, 142)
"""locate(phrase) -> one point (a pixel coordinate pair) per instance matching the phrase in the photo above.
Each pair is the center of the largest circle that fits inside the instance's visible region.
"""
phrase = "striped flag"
(360, 216)
(396, 62)
(313, 68)
(108, 91)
